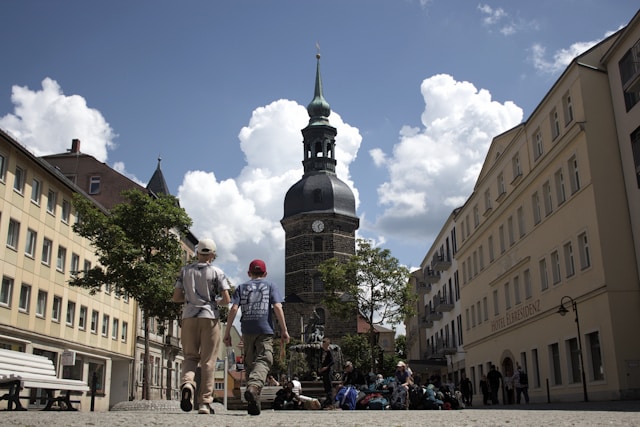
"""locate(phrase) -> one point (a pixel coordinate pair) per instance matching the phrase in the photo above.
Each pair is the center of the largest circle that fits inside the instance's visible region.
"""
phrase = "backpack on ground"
(347, 397)
(399, 397)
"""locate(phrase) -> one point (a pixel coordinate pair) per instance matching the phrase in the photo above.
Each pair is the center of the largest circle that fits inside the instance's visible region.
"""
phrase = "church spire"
(157, 184)
(318, 108)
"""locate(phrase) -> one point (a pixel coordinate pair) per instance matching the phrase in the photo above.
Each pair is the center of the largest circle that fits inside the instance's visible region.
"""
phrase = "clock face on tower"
(317, 226)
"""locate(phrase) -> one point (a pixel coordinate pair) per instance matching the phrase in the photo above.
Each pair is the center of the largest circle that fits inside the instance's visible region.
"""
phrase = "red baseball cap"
(257, 266)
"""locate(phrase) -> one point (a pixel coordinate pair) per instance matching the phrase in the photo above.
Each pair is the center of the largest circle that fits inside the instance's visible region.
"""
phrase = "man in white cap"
(201, 287)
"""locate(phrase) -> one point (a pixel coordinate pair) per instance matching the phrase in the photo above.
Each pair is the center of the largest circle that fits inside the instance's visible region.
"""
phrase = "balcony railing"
(431, 276)
(441, 262)
(433, 315)
(423, 287)
(172, 341)
(444, 305)
(426, 324)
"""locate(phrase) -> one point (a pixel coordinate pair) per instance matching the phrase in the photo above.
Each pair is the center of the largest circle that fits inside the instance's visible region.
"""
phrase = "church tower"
(320, 223)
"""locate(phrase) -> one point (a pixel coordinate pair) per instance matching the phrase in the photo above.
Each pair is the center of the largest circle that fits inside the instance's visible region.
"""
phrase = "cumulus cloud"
(46, 121)
(501, 20)
(243, 214)
(433, 169)
(561, 58)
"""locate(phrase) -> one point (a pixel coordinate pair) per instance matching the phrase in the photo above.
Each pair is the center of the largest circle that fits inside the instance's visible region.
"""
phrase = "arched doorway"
(507, 374)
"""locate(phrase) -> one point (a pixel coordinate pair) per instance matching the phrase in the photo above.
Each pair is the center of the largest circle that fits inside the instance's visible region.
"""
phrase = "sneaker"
(186, 402)
(205, 408)
(252, 395)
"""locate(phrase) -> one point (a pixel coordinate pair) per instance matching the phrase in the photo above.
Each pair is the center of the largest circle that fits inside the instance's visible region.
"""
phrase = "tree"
(356, 349)
(139, 253)
(372, 283)
(401, 346)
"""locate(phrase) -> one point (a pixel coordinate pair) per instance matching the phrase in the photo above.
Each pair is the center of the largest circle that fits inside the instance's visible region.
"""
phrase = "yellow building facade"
(552, 228)
(39, 312)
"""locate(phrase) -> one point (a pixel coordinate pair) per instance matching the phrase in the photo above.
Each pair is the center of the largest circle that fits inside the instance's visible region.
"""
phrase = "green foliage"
(372, 283)
(138, 249)
(356, 349)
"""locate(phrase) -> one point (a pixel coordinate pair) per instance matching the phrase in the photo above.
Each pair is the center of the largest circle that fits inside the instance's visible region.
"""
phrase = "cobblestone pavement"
(167, 413)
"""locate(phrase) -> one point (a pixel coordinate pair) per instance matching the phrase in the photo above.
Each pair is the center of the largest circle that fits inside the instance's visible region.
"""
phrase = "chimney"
(75, 146)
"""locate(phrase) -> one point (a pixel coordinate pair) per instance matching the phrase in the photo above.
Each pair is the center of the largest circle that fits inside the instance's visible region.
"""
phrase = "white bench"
(267, 394)
(25, 370)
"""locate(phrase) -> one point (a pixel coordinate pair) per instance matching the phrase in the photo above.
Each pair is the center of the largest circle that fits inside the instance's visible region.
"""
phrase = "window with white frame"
(548, 201)
(13, 234)
(490, 246)
(568, 259)
(501, 238)
(30, 245)
(555, 267)
(574, 174)
(36, 191)
(567, 105)
(82, 317)
(6, 291)
(487, 200)
(511, 231)
(501, 187)
(124, 331)
(3, 167)
(485, 306)
(66, 211)
(75, 263)
(25, 298)
(71, 313)
(61, 259)
(535, 205)
(538, 146)
(585, 252)
(516, 290)
(528, 288)
(556, 368)
(573, 351)
(18, 180)
(561, 193)
(481, 257)
(544, 274)
(596, 371)
(476, 217)
(555, 124)
(496, 303)
(51, 201)
(473, 315)
(522, 227)
(507, 296)
(94, 321)
(105, 325)
(56, 308)
(515, 163)
(41, 303)
(115, 328)
(479, 312)
(47, 248)
(94, 185)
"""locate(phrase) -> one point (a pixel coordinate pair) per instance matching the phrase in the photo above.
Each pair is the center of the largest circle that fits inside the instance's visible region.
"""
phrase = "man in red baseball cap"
(255, 299)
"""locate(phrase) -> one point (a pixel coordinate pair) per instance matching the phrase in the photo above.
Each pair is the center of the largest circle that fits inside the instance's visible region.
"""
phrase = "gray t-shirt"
(202, 283)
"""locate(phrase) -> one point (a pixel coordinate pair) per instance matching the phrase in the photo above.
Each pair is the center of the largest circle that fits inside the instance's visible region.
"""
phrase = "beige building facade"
(39, 312)
(554, 222)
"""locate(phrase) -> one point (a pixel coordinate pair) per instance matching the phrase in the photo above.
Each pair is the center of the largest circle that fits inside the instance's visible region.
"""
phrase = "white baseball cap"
(206, 246)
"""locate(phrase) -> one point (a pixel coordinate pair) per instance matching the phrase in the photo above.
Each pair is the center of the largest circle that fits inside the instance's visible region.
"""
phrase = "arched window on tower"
(317, 244)
(321, 315)
(319, 152)
(318, 284)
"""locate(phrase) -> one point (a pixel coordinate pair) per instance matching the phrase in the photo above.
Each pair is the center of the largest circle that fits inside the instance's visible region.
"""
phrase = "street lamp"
(562, 311)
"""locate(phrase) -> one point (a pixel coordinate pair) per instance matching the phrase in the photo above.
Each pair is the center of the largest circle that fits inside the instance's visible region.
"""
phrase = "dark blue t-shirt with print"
(255, 299)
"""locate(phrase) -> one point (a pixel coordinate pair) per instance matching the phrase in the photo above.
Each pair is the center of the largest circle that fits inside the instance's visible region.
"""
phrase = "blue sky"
(219, 89)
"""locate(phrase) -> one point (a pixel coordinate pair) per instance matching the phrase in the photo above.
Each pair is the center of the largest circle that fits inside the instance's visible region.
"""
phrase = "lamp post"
(562, 310)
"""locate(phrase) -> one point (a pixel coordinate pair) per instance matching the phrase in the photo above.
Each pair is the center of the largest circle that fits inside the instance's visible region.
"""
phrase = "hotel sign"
(516, 316)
